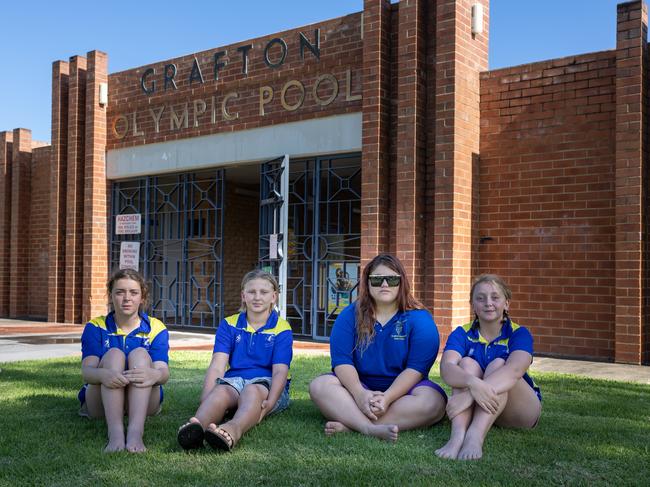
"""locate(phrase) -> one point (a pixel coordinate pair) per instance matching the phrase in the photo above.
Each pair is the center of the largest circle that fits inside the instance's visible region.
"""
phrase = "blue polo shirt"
(468, 342)
(252, 353)
(408, 341)
(102, 333)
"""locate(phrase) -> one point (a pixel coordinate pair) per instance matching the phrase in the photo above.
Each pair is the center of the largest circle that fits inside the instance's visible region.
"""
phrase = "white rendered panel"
(327, 135)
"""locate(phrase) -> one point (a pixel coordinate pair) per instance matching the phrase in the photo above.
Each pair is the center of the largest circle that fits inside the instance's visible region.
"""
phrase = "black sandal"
(190, 436)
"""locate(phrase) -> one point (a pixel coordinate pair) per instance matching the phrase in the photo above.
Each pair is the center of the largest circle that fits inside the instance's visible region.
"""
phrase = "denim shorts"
(238, 383)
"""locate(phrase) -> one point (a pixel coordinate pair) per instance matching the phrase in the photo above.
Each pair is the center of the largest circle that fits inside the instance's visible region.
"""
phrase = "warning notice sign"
(129, 255)
(128, 224)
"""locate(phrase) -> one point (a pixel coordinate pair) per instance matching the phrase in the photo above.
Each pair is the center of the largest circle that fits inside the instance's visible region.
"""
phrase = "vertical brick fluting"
(5, 218)
(20, 203)
(75, 189)
(375, 220)
(411, 139)
(39, 232)
(58, 177)
(631, 44)
(460, 57)
(95, 212)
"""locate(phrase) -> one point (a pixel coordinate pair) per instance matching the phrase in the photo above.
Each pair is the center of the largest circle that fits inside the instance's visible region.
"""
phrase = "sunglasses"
(377, 281)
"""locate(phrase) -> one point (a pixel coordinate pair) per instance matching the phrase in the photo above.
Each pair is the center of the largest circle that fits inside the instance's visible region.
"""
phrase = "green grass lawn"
(590, 433)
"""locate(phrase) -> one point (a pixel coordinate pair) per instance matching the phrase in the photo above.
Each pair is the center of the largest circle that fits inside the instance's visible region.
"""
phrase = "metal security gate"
(322, 199)
(181, 243)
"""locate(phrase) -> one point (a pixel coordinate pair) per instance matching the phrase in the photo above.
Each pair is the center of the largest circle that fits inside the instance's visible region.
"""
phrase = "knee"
(114, 358)
(493, 366)
(435, 406)
(468, 364)
(253, 393)
(139, 357)
(318, 385)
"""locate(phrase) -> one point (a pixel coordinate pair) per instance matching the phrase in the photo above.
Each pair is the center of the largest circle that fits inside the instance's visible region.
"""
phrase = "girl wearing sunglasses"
(382, 347)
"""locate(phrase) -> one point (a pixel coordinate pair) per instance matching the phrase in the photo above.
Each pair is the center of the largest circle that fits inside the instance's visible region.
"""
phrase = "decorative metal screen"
(324, 241)
(181, 249)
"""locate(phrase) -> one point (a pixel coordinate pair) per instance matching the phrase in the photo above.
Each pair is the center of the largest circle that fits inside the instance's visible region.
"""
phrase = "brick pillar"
(631, 49)
(6, 157)
(56, 266)
(95, 234)
(411, 139)
(375, 219)
(75, 189)
(20, 204)
(460, 57)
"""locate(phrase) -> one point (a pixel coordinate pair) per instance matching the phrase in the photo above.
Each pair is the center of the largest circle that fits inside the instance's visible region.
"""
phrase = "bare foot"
(333, 427)
(388, 432)
(231, 431)
(114, 445)
(452, 447)
(134, 443)
(472, 448)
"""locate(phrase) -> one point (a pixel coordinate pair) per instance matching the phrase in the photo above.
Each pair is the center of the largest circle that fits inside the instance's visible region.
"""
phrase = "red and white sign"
(129, 255)
(128, 224)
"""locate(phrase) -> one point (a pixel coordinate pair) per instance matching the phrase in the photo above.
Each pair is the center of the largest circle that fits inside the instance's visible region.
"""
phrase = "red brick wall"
(75, 189)
(240, 252)
(547, 198)
(20, 202)
(375, 165)
(340, 51)
(6, 148)
(460, 57)
(39, 235)
(631, 125)
(95, 207)
(58, 181)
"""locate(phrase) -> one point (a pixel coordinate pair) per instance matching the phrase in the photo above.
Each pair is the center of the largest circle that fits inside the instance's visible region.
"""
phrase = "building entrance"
(201, 231)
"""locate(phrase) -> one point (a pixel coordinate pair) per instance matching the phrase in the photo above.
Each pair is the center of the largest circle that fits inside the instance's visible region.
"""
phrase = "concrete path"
(29, 340)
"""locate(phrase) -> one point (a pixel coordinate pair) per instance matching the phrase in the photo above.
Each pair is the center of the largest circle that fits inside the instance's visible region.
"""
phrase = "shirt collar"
(271, 321)
(145, 323)
(506, 329)
(394, 319)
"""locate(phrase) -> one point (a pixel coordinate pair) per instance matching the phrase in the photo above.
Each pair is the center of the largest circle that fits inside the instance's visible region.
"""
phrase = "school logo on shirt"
(146, 344)
(238, 338)
(107, 344)
(399, 334)
(269, 341)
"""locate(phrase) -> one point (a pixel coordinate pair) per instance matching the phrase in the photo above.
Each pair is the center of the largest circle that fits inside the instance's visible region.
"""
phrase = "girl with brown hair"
(382, 348)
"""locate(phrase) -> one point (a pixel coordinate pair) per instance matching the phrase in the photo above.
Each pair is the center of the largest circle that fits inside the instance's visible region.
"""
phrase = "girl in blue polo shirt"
(249, 372)
(124, 363)
(486, 363)
(382, 347)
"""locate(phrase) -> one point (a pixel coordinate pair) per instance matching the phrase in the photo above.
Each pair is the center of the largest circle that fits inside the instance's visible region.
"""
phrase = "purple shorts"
(422, 383)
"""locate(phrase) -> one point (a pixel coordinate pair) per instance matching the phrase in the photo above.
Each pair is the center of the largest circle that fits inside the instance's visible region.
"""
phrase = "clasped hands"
(373, 404)
(138, 376)
(479, 392)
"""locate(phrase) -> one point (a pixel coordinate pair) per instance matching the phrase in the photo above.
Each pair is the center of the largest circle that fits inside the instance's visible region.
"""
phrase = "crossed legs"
(109, 403)
(518, 408)
(423, 407)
